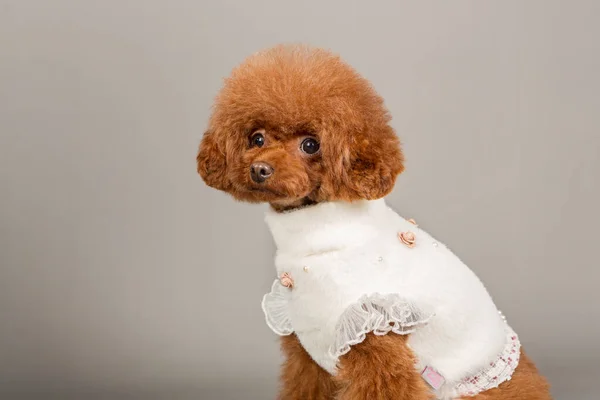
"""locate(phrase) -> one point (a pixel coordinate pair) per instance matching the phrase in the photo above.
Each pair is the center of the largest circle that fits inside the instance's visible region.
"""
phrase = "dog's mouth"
(280, 198)
(282, 202)
(265, 190)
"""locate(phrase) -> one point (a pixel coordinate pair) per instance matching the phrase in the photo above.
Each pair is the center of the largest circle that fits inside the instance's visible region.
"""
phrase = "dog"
(367, 304)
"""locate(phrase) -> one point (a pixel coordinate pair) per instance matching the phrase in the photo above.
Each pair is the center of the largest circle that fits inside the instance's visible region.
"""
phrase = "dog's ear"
(212, 162)
(376, 160)
(362, 166)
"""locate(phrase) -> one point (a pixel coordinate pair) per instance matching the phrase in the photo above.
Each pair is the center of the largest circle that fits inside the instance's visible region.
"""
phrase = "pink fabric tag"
(433, 377)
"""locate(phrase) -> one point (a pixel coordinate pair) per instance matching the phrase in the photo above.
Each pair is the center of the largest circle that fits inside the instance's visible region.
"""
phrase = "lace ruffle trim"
(379, 314)
(274, 305)
(375, 313)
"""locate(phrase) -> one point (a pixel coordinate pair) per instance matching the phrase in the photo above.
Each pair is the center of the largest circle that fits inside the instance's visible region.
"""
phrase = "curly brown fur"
(301, 377)
(381, 368)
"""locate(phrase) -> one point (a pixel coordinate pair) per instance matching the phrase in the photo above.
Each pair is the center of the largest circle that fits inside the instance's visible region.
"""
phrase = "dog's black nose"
(260, 172)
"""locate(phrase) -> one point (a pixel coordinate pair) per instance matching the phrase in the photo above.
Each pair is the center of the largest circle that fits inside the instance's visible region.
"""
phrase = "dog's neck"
(287, 207)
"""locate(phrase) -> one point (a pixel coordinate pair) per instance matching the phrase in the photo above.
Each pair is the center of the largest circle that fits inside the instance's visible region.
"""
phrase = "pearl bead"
(306, 269)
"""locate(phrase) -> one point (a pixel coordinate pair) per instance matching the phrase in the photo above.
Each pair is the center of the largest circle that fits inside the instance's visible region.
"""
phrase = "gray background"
(123, 277)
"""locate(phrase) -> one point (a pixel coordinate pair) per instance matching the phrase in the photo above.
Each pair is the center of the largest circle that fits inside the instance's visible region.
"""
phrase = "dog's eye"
(257, 139)
(310, 146)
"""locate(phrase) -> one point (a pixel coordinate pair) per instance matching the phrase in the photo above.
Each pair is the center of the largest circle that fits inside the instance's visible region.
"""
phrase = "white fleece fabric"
(352, 275)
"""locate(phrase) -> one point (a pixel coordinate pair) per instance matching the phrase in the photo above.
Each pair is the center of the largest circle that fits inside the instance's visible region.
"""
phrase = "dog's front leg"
(381, 368)
(301, 377)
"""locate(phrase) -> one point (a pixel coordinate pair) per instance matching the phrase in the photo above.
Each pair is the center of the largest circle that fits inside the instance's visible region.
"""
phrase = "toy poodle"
(368, 305)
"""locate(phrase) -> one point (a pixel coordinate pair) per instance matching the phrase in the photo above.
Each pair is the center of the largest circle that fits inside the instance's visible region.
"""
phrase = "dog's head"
(295, 125)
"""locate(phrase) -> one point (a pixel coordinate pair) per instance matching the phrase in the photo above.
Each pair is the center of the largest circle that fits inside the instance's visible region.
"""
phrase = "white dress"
(353, 268)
